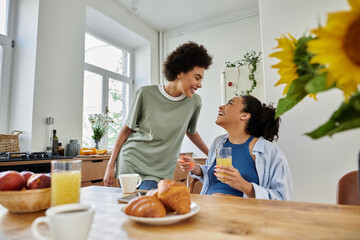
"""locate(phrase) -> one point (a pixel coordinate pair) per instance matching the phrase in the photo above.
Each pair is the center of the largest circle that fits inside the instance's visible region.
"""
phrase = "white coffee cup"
(66, 222)
(129, 182)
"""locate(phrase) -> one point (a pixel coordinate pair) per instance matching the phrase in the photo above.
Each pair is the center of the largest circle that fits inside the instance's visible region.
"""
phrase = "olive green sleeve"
(194, 118)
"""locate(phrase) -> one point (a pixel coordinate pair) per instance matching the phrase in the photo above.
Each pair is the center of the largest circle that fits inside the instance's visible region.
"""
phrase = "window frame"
(106, 75)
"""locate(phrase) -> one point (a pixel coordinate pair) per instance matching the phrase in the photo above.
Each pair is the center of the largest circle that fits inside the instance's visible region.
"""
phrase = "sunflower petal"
(313, 95)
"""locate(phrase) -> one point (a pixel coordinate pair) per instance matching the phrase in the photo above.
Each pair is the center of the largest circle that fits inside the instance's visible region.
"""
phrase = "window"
(107, 86)
(3, 16)
(6, 52)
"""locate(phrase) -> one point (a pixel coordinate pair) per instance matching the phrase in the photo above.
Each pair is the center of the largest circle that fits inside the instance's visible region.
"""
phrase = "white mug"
(66, 222)
(129, 182)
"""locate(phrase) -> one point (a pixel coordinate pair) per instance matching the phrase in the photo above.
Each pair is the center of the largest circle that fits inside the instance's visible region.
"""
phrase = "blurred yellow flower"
(310, 65)
(287, 67)
(337, 46)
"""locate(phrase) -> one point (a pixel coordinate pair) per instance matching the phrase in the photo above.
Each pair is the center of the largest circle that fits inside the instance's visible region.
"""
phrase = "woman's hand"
(234, 179)
(109, 177)
(187, 164)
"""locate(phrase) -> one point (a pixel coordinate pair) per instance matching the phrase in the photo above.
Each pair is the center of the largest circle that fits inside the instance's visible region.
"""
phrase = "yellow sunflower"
(287, 67)
(337, 46)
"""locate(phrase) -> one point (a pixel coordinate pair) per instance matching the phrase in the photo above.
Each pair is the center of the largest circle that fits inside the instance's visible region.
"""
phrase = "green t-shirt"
(158, 127)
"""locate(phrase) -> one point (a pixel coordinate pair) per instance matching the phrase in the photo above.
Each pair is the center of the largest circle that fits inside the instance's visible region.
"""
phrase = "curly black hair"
(184, 59)
(262, 121)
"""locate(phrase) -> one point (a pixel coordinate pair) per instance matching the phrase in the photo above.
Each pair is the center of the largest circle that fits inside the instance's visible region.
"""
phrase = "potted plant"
(100, 124)
(251, 60)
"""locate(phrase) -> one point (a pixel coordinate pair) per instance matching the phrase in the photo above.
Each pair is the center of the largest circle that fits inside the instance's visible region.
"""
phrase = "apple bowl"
(25, 201)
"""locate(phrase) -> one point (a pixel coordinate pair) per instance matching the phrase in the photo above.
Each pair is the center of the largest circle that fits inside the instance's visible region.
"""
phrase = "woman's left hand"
(234, 179)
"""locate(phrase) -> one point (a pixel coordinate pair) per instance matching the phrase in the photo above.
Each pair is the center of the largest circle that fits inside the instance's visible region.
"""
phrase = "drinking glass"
(65, 182)
(223, 157)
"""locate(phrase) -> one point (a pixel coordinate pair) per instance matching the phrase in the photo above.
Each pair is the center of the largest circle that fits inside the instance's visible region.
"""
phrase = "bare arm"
(121, 138)
(197, 140)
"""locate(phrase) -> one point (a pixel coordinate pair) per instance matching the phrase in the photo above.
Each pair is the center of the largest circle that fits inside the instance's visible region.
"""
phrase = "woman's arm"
(197, 140)
(235, 180)
(121, 138)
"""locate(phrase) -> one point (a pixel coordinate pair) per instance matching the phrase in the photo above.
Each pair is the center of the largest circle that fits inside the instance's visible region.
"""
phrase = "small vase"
(97, 143)
(73, 148)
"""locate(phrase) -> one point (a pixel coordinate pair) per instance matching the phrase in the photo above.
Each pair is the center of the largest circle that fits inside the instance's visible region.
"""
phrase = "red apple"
(26, 175)
(11, 180)
(39, 180)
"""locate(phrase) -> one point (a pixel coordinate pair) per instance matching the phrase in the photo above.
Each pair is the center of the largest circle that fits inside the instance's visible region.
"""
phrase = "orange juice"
(224, 162)
(65, 187)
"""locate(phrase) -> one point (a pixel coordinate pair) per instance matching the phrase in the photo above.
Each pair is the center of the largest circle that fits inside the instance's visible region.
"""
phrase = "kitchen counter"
(29, 162)
(93, 169)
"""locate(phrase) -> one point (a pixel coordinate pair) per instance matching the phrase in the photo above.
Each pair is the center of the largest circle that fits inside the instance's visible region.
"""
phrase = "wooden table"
(218, 218)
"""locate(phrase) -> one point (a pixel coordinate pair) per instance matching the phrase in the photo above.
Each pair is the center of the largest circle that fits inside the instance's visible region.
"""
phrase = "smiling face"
(232, 113)
(189, 82)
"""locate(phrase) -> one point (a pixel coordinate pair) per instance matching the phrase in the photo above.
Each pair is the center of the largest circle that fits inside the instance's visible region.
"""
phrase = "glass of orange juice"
(65, 182)
(223, 157)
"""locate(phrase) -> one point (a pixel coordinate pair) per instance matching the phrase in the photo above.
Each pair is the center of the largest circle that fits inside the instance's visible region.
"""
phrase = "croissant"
(145, 206)
(153, 193)
(174, 195)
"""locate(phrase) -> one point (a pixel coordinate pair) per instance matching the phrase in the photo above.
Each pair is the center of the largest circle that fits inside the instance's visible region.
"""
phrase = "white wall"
(316, 165)
(59, 70)
(225, 42)
(142, 73)
(57, 76)
(22, 92)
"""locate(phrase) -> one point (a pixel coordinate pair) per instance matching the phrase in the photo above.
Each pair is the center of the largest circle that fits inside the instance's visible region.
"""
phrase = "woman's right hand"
(109, 176)
(187, 164)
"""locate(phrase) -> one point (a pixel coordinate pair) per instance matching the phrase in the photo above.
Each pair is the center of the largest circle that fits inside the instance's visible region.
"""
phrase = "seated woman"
(259, 169)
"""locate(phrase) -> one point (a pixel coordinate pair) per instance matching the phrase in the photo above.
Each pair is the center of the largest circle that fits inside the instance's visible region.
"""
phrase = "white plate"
(168, 219)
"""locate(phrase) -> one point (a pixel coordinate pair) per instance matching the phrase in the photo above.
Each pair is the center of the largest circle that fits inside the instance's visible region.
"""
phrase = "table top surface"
(220, 217)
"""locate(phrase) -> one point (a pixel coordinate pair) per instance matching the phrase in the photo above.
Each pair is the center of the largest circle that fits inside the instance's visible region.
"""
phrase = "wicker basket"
(26, 201)
(10, 143)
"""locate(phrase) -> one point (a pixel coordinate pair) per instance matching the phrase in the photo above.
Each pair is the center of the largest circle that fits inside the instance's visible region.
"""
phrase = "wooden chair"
(195, 186)
(179, 175)
(348, 189)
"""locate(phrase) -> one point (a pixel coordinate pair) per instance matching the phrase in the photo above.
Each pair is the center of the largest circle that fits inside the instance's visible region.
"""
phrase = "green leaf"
(345, 118)
(284, 105)
(297, 86)
(302, 57)
(332, 127)
(294, 95)
(316, 84)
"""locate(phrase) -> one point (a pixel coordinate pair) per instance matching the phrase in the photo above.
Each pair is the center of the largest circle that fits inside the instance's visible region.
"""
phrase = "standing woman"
(259, 168)
(159, 117)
